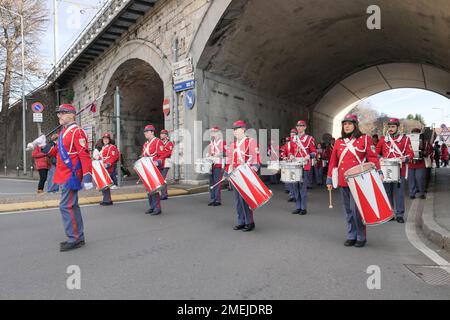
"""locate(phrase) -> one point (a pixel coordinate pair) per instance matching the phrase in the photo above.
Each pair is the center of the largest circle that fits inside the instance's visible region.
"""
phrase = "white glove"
(96, 154)
(40, 142)
(88, 185)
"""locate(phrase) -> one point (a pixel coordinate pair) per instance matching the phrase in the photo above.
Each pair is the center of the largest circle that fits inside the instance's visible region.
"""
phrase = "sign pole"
(118, 133)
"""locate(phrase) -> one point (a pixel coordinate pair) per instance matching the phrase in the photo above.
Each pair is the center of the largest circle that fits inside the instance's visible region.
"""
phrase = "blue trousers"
(164, 173)
(318, 173)
(416, 181)
(356, 230)
(244, 214)
(274, 179)
(107, 192)
(154, 201)
(216, 176)
(71, 215)
(395, 193)
(300, 192)
(289, 188)
(52, 187)
(309, 178)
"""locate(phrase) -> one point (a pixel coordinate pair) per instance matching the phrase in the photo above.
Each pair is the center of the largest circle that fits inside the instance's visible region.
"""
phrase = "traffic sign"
(182, 64)
(183, 78)
(189, 99)
(37, 107)
(38, 117)
(166, 107)
(183, 86)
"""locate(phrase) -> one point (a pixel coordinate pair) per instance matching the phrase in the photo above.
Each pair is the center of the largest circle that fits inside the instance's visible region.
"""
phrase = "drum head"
(359, 169)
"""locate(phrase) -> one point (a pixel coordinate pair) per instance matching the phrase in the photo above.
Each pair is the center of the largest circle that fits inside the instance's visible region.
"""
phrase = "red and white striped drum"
(370, 196)
(100, 175)
(250, 186)
(149, 174)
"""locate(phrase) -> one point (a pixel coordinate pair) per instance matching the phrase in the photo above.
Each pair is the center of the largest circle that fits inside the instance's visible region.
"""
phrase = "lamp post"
(24, 103)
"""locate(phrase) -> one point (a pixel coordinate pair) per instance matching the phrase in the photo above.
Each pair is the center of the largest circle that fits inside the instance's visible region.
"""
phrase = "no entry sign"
(166, 107)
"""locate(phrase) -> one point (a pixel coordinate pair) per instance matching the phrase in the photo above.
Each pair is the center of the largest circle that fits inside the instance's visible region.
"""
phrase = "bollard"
(6, 171)
(17, 170)
(31, 171)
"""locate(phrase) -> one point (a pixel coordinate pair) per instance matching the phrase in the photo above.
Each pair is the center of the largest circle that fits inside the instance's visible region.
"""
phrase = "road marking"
(414, 239)
(19, 180)
(96, 205)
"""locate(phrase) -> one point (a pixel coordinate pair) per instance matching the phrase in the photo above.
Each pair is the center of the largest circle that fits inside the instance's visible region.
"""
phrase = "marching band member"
(153, 148)
(168, 149)
(73, 167)
(109, 154)
(417, 171)
(302, 147)
(243, 150)
(284, 153)
(217, 151)
(273, 152)
(351, 149)
(318, 167)
(396, 145)
(289, 146)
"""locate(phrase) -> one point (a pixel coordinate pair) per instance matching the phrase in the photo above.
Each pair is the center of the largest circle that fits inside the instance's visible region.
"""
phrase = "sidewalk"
(129, 192)
(435, 220)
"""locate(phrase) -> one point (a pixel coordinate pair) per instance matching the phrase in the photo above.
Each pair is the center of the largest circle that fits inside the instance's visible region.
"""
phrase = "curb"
(47, 204)
(433, 231)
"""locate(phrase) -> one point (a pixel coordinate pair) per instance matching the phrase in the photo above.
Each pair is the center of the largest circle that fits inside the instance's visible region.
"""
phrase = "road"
(191, 252)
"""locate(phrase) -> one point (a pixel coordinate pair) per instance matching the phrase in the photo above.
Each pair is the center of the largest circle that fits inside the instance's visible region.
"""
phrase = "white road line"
(19, 180)
(96, 205)
(414, 239)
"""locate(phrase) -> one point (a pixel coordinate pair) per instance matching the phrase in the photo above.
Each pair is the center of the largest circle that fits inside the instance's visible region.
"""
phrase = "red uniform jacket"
(328, 151)
(364, 149)
(273, 152)
(41, 160)
(154, 149)
(168, 149)
(217, 149)
(320, 158)
(110, 154)
(76, 143)
(245, 151)
(308, 147)
(386, 149)
(444, 154)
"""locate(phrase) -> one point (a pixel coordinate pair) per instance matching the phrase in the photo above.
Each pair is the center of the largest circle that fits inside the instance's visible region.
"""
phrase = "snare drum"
(168, 163)
(391, 169)
(149, 174)
(291, 172)
(273, 166)
(100, 175)
(203, 166)
(369, 194)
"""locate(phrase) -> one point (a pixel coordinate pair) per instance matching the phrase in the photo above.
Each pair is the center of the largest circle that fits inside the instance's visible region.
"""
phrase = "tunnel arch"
(273, 62)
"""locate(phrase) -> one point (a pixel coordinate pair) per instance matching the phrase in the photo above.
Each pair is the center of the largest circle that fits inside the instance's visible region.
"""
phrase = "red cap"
(164, 131)
(294, 131)
(67, 108)
(149, 127)
(216, 128)
(106, 135)
(394, 121)
(239, 124)
(301, 123)
(350, 118)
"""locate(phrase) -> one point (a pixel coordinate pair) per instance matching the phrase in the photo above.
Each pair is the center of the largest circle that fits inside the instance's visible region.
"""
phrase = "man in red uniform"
(110, 155)
(302, 147)
(73, 166)
(216, 151)
(284, 154)
(243, 150)
(153, 148)
(166, 161)
(273, 152)
(395, 145)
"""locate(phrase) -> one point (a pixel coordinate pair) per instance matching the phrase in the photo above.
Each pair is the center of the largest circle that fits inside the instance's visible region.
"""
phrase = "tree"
(35, 18)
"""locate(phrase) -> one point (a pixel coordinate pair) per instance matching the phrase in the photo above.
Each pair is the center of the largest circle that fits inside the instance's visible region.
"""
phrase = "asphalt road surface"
(192, 252)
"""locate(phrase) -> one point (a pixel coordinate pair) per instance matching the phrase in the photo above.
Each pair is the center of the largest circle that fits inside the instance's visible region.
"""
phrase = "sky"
(75, 15)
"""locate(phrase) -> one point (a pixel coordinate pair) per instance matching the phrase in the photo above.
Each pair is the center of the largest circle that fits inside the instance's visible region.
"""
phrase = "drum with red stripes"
(100, 175)
(370, 196)
(149, 174)
(250, 186)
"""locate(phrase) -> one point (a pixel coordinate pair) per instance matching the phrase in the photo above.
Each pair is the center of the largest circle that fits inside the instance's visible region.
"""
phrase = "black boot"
(70, 246)
(249, 227)
(349, 243)
(239, 227)
(149, 211)
(360, 244)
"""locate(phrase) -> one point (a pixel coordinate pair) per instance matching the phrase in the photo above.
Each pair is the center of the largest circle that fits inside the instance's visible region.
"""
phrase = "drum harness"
(299, 143)
(349, 146)
(393, 148)
(215, 150)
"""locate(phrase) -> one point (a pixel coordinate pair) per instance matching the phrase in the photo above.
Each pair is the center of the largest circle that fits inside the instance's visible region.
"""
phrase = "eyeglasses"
(301, 125)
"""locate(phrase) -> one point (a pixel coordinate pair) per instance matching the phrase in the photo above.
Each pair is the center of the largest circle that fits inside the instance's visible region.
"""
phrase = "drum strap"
(215, 150)
(300, 144)
(348, 146)
(237, 150)
(148, 148)
(394, 146)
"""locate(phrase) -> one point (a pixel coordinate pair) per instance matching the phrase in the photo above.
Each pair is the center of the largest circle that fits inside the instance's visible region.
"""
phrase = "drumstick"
(331, 201)
(223, 179)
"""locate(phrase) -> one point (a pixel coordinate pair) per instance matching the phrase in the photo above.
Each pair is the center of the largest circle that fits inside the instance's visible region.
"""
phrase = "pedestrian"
(302, 146)
(109, 155)
(52, 187)
(217, 153)
(243, 150)
(444, 155)
(437, 154)
(42, 165)
(396, 146)
(166, 160)
(153, 148)
(73, 167)
(349, 150)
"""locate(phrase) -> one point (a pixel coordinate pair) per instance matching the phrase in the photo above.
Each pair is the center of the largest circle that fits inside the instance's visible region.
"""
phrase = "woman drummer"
(350, 150)
(110, 156)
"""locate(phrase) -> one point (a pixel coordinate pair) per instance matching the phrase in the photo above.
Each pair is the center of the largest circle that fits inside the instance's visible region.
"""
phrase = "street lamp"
(24, 104)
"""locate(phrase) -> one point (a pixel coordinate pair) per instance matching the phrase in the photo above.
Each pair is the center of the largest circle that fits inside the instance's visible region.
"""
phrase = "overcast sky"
(396, 103)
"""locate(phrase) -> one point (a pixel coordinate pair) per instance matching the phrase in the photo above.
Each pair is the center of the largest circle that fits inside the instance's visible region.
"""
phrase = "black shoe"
(360, 244)
(164, 198)
(70, 246)
(155, 213)
(211, 203)
(400, 220)
(423, 196)
(291, 200)
(239, 227)
(82, 243)
(349, 243)
(302, 212)
(296, 211)
(217, 204)
(149, 211)
(392, 219)
(412, 197)
(286, 191)
(249, 227)
(106, 203)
